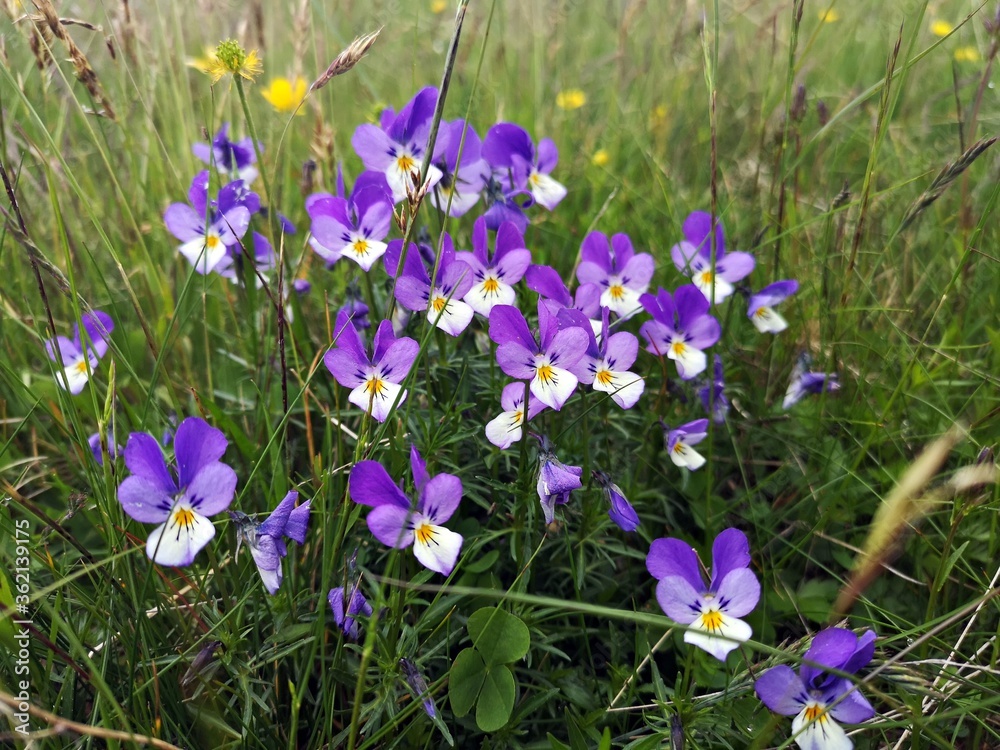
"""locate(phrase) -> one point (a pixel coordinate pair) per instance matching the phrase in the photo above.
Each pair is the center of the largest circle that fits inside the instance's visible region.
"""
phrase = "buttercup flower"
(505, 430)
(265, 539)
(803, 382)
(204, 486)
(621, 512)
(941, 27)
(236, 159)
(711, 611)
(375, 380)
(623, 276)
(680, 440)
(761, 306)
(693, 257)
(79, 356)
(395, 523)
(600, 158)
(508, 148)
(356, 605)
(494, 278)
(442, 298)
(286, 95)
(681, 328)
(231, 58)
(571, 99)
(555, 479)
(819, 699)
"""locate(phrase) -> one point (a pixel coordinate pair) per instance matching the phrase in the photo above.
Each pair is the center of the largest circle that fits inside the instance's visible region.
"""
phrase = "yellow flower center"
(546, 374)
(184, 517)
(439, 304)
(706, 277)
(679, 448)
(375, 386)
(534, 178)
(815, 712)
(406, 163)
(81, 366)
(678, 348)
(360, 248)
(491, 286)
(762, 312)
(212, 241)
(604, 377)
(424, 533)
(711, 620)
(617, 291)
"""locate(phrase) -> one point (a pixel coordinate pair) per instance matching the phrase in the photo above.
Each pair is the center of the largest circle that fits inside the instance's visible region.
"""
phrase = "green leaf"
(556, 744)
(499, 636)
(465, 681)
(945, 571)
(485, 562)
(605, 743)
(496, 701)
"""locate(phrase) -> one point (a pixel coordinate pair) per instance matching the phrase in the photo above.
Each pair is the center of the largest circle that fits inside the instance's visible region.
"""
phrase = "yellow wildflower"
(967, 54)
(204, 63)
(830, 15)
(230, 58)
(941, 28)
(571, 99)
(285, 95)
(438, 6)
(600, 158)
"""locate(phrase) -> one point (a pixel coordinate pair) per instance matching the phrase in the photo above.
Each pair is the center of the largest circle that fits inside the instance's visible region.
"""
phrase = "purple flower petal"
(730, 550)
(832, 647)
(144, 500)
(621, 350)
(639, 271)
(373, 146)
(515, 360)
(212, 489)
(183, 222)
(398, 358)
(595, 254)
(696, 230)
(863, 652)
(672, 557)
(370, 484)
(390, 524)
(276, 522)
(196, 445)
(735, 267)
(853, 708)
(678, 599)
(298, 522)
(507, 325)
(738, 592)
(503, 142)
(440, 498)
(781, 690)
(144, 458)
(546, 281)
(548, 155)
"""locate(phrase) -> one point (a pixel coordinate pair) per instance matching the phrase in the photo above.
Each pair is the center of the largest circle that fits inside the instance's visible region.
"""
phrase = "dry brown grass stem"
(346, 59)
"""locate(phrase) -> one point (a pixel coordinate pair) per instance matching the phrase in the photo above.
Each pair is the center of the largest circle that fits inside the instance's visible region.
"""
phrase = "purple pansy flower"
(94, 441)
(623, 276)
(693, 257)
(621, 511)
(711, 612)
(418, 685)
(761, 306)
(265, 539)
(395, 523)
(494, 278)
(234, 159)
(301, 287)
(356, 605)
(352, 228)
(681, 328)
(264, 261)
(204, 487)
(605, 365)
(209, 232)
(547, 282)
(506, 429)
(547, 364)
(397, 148)
(819, 699)
(502, 206)
(803, 382)
(508, 147)
(713, 394)
(460, 184)
(355, 308)
(680, 440)
(555, 480)
(375, 380)
(442, 299)
(79, 356)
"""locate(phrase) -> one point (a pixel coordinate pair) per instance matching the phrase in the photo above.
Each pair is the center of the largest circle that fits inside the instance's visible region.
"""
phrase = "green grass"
(902, 306)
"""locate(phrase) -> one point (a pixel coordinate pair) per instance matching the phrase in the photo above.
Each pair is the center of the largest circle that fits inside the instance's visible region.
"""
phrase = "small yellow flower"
(967, 54)
(438, 6)
(204, 63)
(658, 117)
(285, 95)
(230, 58)
(571, 99)
(830, 15)
(941, 28)
(600, 158)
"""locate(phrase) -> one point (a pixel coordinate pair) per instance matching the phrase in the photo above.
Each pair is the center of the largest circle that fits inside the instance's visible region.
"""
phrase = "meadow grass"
(835, 141)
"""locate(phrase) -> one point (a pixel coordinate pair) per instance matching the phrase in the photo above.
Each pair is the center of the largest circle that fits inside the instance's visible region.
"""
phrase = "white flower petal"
(621, 300)
(545, 190)
(819, 732)
(376, 394)
(690, 361)
(712, 624)
(450, 315)
(364, 252)
(489, 292)
(624, 387)
(180, 538)
(553, 385)
(505, 430)
(460, 202)
(74, 376)
(204, 253)
(684, 455)
(767, 320)
(436, 547)
(703, 280)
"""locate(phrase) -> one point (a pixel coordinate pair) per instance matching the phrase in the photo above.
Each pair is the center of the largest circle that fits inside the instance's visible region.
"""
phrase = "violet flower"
(803, 382)
(235, 159)
(204, 486)
(679, 441)
(94, 441)
(711, 612)
(265, 260)
(623, 276)
(502, 206)
(681, 328)
(442, 298)
(509, 147)
(346, 620)
(621, 512)
(546, 364)
(375, 381)
(761, 306)
(461, 183)
(555, 479)
(301, 287)
(418, 685)
(713, 394)
(605, 365)
(395, 523)
(547, 282)
(693, 257)
(355, 308)
(79, 356)
(494, 278)
(506, 429)
(397, 148)
(819, 699)
(265, 539)
(209, 233)
(354, 228)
